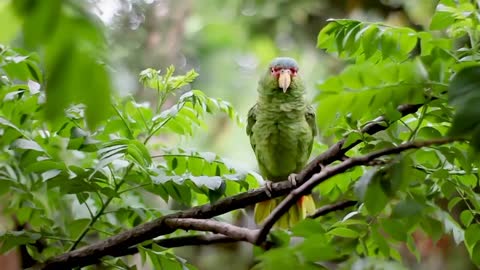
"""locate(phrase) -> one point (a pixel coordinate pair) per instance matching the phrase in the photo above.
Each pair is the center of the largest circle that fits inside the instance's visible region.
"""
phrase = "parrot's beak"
(284, 79)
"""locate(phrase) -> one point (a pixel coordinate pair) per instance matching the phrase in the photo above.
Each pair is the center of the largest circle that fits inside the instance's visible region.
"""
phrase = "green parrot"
(281, 127)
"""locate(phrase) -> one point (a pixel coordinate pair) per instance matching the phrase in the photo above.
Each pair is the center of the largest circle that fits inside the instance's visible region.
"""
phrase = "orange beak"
(284, 79)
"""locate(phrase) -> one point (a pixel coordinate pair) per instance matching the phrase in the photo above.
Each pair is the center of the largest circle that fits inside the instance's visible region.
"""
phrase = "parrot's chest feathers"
(279, 133)
(282, 128)
(282, 112)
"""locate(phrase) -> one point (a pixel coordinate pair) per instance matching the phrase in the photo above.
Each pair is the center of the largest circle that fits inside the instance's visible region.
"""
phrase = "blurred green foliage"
(72, 45)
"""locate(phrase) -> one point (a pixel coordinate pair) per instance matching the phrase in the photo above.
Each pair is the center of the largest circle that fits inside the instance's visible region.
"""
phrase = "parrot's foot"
(292, 178)
(268, 188)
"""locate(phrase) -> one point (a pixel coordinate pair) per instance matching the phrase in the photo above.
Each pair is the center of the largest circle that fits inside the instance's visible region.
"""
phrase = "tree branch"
(332, 208)
(208, 225)
(330, 171)
(210, 239)
(337, 151)
(91, 253)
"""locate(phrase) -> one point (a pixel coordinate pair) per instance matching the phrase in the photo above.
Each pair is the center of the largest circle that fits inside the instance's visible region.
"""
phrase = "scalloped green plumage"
(281, 127)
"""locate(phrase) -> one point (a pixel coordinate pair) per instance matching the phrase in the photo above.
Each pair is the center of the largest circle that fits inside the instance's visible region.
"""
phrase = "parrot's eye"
(275, 69)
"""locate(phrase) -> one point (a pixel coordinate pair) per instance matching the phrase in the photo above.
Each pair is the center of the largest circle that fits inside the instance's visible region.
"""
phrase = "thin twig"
(130, 133)
(332, 208)
(419, 123)
(162, 124)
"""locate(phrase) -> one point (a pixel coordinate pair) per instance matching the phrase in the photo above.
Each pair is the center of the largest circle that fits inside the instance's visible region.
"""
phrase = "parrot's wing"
(310, 116)
(252, 118)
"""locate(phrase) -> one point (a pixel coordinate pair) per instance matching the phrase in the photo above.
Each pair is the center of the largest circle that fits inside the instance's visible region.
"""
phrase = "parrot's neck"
(294, 100)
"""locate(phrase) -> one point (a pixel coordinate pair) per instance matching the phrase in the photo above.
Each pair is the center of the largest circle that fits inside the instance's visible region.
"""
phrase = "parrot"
(281, 128)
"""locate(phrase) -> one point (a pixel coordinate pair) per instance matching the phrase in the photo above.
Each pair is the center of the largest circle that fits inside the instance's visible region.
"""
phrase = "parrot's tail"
(304, 207)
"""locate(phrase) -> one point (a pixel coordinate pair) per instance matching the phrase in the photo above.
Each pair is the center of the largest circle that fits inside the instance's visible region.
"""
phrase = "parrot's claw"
(268, 188)
(292, 178)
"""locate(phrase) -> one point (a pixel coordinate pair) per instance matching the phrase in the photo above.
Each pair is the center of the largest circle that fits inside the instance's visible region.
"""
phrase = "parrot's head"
(282, 75)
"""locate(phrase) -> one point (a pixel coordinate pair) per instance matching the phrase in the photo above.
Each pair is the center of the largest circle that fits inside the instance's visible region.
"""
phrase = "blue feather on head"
(284, 62)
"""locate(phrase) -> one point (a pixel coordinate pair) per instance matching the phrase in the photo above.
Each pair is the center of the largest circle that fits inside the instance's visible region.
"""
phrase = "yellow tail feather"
(304, 207)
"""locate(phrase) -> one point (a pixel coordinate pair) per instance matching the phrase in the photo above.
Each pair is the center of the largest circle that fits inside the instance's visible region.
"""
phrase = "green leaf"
(408, 208)
(472, 235)
(12, 239)
(344, 232)
(453, 202)
(76, 226)
(308, 227)
(380, 241)
(395, 228)
(211, 182)
(361, 87)
(475, 254)
(442, 20)
(174, 163)
(45, 165)
(150, 78)
(369, 190)
(464, 85)
(317, 248)
(428, 133)
(70, 59)
(283, 258)
(466, 217)
(40, 20)
(179, 193)
(352, 137)
(362, 40)
(161, 259)
(432, 227)
(7, 123)
(27, 145)
(412, 247)
(464, 96)
(139, 153)
(375, 198)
